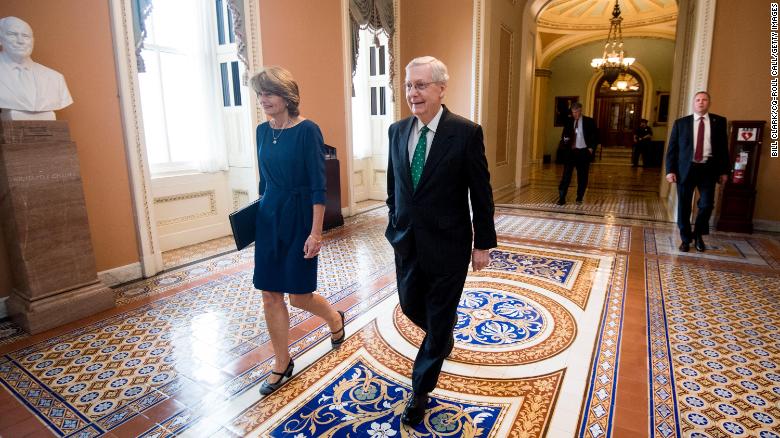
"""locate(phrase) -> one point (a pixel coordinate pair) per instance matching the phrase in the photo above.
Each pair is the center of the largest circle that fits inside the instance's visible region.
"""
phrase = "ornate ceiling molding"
(557, 47)
(545, 24)
(586, 15)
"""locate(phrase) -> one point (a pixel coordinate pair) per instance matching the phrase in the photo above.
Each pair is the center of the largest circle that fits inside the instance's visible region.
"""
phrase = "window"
(381, 60)
(376, 68)
(373, 101)
(225, 33)
(226, 53)
(180, 88)
(231, 83)
(382, 110)
(372, 105)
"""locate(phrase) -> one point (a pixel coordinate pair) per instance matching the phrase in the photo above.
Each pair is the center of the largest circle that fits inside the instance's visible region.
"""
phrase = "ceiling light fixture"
(613, 61)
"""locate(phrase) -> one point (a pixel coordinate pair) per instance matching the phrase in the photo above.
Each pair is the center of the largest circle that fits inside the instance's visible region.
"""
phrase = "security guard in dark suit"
(697, 158)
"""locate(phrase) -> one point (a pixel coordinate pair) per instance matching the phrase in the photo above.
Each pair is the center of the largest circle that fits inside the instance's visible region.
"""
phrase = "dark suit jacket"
(679, 156)
(590, 132)
(434, 219)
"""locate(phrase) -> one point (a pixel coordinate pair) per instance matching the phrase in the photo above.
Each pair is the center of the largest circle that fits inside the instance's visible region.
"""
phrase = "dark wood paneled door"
(617, 117)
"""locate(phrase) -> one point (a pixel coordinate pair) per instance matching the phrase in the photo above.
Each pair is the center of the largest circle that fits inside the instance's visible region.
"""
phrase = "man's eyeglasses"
(419, 86)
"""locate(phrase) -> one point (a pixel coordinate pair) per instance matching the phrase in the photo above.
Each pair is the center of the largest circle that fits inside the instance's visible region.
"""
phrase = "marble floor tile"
(582, 325)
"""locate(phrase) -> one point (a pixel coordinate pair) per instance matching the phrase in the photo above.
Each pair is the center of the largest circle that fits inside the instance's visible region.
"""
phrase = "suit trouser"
(639, 150)
(700, 177)
(579, 159)
(430, 301)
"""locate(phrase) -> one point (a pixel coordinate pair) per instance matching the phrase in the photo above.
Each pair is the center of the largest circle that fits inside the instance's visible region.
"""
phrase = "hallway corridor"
(581, 326)
(615, 189)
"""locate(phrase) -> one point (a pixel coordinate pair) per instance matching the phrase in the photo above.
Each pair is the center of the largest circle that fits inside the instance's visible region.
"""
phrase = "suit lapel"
(688, 143)
(439, 147)
(406, 132)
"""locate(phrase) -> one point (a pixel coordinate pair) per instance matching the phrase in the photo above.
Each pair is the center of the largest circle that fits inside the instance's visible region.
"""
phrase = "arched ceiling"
(586, 15)
(564, 24)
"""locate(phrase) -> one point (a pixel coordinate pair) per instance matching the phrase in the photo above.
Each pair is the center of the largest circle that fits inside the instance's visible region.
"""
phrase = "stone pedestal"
(44, 219)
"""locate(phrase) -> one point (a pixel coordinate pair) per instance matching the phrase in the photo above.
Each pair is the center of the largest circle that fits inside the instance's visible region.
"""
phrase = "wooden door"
(617, 117)
(618, 109)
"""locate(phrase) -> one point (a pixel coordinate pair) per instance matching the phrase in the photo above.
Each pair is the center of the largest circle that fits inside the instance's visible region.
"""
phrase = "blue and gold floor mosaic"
(539, 344)
(715, 356)
(518, 326)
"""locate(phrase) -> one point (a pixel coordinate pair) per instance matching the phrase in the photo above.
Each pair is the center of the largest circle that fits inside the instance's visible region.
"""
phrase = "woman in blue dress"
(289, 217)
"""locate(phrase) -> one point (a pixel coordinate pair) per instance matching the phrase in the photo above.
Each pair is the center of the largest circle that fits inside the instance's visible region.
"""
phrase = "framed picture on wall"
(661, 107)
(563, 109)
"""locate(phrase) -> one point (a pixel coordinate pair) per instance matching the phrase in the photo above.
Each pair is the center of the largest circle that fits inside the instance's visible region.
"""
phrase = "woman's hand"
(312, 246)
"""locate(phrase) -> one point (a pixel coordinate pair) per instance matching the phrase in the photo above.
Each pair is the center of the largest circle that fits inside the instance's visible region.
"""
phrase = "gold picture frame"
(661, 108)
(563, 109)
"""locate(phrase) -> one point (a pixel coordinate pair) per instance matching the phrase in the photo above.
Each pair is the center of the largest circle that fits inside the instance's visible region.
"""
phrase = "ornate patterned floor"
(613, 191)
(580, 326)
(188, 254)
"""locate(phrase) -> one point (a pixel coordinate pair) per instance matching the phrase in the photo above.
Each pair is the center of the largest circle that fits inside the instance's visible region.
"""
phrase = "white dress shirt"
(418, 125)
(30, 86)
(579, 137)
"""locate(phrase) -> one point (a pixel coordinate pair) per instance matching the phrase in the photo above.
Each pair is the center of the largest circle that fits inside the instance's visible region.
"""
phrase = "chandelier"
(613, 61)
(625, 82)
(623, 86)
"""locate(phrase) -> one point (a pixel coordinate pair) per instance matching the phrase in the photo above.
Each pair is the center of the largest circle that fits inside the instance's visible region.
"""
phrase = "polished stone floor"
(584, 324)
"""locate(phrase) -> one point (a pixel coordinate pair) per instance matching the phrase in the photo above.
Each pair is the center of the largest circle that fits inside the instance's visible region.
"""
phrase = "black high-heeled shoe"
(336, 343)
(267, 388)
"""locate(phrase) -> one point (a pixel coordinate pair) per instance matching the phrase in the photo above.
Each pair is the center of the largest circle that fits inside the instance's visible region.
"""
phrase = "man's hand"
(723, 179)
(480, 258)
(671, 177)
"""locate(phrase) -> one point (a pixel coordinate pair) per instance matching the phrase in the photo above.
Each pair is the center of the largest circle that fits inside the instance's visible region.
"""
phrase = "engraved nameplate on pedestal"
(34, 132)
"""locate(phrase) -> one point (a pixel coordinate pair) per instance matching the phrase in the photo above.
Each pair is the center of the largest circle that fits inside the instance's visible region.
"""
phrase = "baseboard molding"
(3, 309)
(110, 277)
(194, 235)
(122, 274)
(762, 225)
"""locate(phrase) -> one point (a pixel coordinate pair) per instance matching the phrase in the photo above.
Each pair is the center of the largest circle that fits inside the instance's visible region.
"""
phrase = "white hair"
(438, 69)
(5, 21)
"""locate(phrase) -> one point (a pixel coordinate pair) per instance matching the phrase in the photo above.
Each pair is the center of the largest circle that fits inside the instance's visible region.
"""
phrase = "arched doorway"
(618, 108)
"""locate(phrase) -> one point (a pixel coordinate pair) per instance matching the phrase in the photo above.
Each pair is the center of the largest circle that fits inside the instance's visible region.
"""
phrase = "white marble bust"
(28, 90)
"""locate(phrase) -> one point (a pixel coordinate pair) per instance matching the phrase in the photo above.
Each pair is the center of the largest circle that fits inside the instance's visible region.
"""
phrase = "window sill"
(168, 170)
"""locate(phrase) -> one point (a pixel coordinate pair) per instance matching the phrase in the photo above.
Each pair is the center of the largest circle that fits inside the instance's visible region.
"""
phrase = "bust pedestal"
(9, 114)
(44, 219)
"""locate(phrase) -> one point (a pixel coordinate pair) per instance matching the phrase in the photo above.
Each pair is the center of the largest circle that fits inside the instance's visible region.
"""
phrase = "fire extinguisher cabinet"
(739, 194)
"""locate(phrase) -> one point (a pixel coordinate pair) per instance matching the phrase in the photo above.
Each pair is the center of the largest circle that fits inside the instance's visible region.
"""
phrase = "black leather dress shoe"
(685, 247)
(561, 201)
(415, 410)
(700, 244)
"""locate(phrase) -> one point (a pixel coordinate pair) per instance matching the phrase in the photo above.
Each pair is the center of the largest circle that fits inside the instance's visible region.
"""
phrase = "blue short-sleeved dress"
(292, 179)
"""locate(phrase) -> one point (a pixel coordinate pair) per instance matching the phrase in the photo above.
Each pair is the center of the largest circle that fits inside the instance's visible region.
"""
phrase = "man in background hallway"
(580, 138)
(642, 137)
(697, 158)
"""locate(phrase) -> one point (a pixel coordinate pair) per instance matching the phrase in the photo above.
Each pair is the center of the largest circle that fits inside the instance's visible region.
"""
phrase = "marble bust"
(28, 90)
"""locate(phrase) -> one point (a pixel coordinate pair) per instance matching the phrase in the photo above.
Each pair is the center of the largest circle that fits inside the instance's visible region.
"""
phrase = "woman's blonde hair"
(278, 81)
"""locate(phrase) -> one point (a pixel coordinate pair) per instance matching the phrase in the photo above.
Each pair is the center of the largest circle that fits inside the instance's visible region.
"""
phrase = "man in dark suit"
(580, 138)
(436, 163)
(697, 158)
